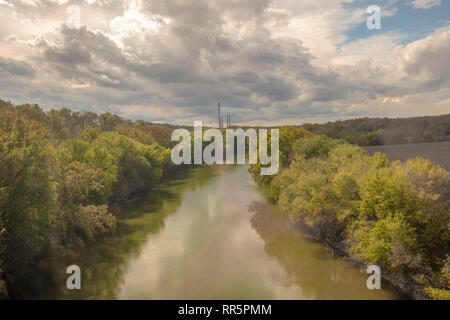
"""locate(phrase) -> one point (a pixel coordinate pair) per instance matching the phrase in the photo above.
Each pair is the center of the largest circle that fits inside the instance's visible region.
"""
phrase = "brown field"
(437, 152)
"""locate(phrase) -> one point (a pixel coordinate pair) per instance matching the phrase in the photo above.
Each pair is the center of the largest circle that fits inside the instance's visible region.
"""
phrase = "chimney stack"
(220, 118)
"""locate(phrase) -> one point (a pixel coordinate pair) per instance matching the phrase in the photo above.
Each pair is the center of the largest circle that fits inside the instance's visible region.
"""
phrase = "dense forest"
(60, 171)
(393, 214)
(379, 131)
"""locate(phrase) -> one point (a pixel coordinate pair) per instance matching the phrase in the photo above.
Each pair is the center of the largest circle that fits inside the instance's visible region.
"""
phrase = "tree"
(108, 121)
(25, 191)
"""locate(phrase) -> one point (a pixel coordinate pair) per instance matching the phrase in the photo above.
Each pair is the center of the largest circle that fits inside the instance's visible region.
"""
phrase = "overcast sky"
(277, 62)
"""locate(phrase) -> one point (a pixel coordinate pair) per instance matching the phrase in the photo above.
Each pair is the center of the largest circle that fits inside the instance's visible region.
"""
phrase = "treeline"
(380, 131)
(392, 214)
(60, 171)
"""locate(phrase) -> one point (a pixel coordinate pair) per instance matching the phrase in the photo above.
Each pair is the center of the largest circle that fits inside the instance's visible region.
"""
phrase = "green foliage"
(108, 121)
(83, 185)
(287, 137)
(25, 190)
(394, 214)
(374, 240)
(144, 133)
(438, 294)
(59, 171)
(316, 146)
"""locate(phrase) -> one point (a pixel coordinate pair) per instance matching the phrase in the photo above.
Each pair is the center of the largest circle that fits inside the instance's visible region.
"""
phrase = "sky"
(271, 62)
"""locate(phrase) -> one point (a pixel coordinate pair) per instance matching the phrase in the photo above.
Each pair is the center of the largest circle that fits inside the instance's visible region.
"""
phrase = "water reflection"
(207, 249)
(104, 264)
(309, 264)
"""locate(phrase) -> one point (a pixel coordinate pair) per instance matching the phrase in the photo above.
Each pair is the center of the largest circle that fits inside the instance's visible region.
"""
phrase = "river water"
(209, 234)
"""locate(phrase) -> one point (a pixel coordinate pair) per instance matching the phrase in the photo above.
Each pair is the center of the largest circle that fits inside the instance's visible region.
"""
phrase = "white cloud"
(5, 3)
(426, 4)
(135, 23)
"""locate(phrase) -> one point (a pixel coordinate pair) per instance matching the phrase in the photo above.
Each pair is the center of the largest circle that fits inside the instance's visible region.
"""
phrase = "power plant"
(220, 119)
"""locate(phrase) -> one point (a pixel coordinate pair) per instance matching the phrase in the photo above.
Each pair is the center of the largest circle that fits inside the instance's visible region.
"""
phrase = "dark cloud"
(11, 67)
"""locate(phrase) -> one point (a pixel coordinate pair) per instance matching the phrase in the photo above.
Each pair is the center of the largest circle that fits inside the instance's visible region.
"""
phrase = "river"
(209, 234)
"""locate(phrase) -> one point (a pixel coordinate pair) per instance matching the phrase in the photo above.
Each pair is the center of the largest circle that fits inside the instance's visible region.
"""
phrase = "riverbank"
(48, 276)
(405, 285)
(206, 233)
(391, 214)
(63, 172)
(318, 233)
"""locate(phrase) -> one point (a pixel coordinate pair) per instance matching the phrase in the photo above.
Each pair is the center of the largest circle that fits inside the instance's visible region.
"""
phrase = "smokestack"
(220, 118)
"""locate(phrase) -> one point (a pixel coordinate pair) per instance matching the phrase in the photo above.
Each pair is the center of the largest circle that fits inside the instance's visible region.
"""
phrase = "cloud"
(5, 3)
(426, 60)
(169, 60)
(15, 75)
(16, 68)
(426, 4)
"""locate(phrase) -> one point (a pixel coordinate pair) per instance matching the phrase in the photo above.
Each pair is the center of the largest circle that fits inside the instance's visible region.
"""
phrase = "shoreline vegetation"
(62, 173)
(392, 214)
